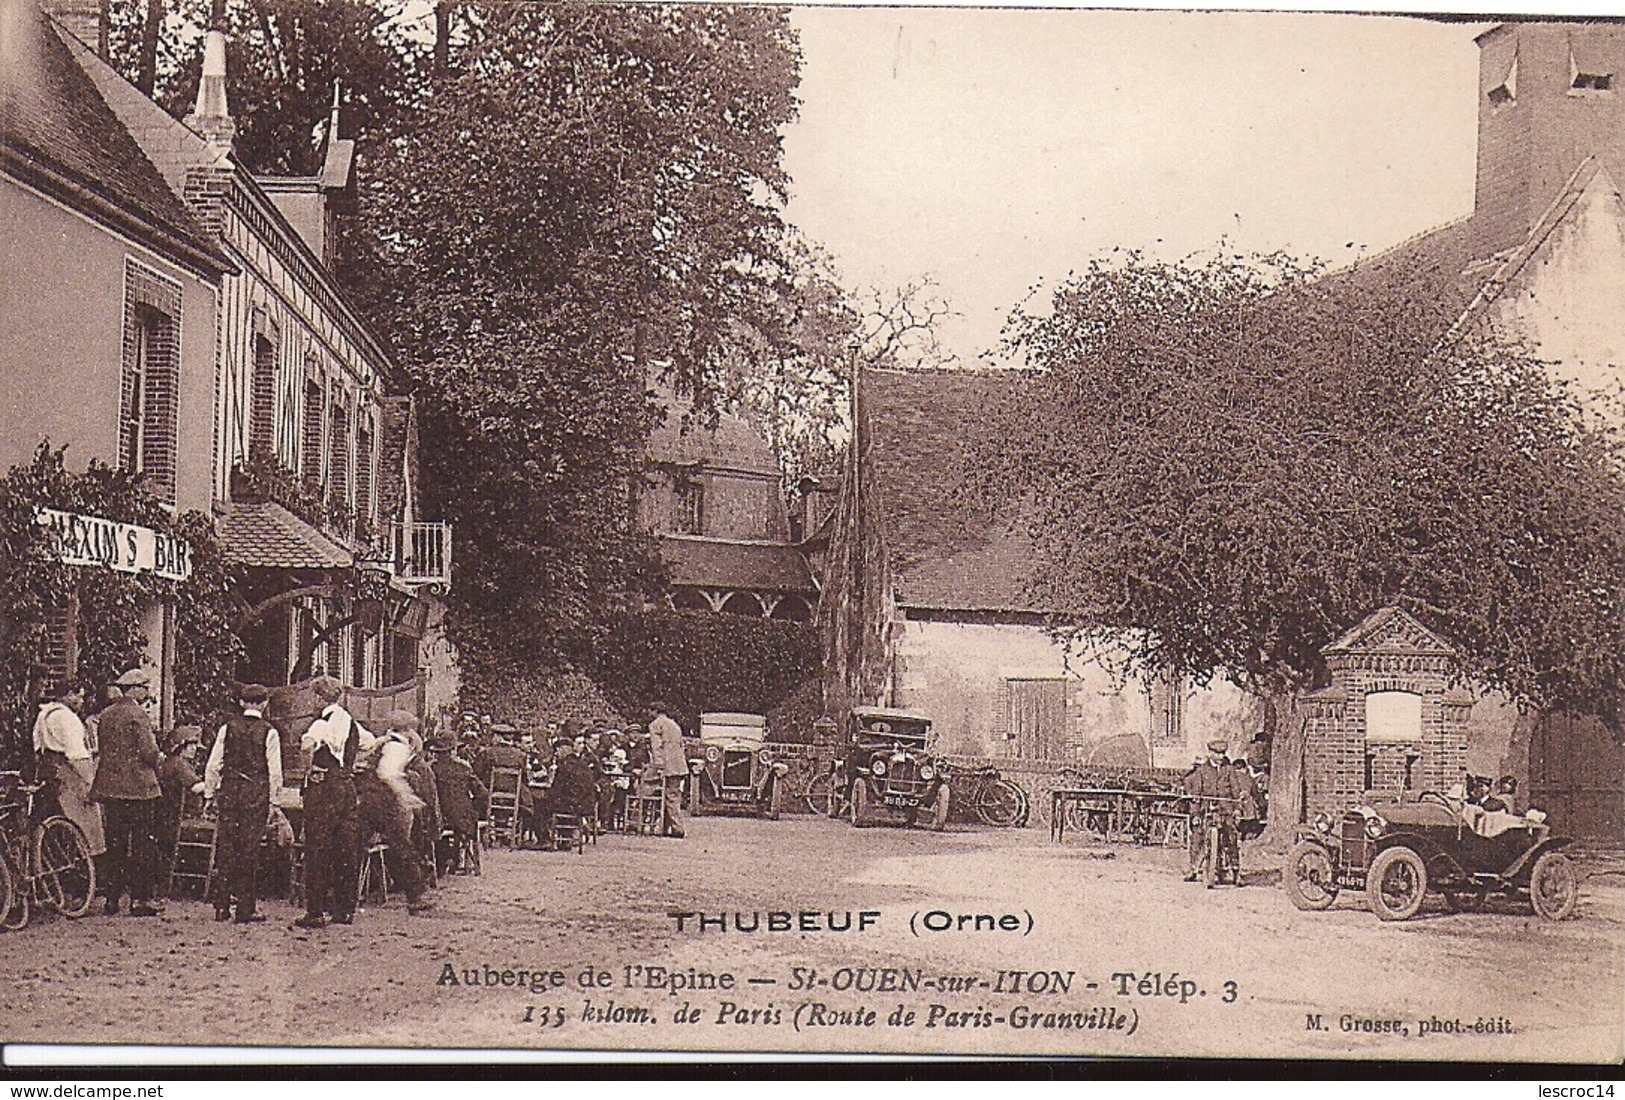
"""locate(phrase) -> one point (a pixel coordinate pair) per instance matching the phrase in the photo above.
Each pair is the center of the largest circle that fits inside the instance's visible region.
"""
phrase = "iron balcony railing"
(423, 553)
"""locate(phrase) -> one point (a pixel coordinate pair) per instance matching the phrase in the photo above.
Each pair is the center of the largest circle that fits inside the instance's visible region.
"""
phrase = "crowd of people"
(425, 799)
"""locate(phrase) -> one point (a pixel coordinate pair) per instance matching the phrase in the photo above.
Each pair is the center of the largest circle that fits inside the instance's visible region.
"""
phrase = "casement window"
(338, 485)
(149, 393)
(690, 509)
(262, 399)
(312, 435)
(363, 474)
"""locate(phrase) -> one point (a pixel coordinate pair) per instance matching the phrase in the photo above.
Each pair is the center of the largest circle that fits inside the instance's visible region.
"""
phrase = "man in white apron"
(64, 753)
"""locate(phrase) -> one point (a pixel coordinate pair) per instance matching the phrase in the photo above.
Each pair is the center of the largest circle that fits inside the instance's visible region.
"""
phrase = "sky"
(996, 149)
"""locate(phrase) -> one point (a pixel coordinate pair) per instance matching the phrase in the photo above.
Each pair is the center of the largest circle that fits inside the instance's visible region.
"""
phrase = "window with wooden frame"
(262, 398)
(689, 517)
(312, 434)
(149, 394)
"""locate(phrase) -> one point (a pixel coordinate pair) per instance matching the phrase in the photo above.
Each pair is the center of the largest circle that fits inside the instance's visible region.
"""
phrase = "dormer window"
(1589, 71)
(1507, 90)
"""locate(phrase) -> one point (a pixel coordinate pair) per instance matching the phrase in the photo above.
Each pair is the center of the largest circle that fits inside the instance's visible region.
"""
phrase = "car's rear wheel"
(1396, 884)
(1311, 880)
(858, 811)
(1554, 886)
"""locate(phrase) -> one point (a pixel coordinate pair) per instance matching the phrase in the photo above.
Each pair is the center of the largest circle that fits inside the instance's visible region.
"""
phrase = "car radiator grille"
(904, 779)
(736, 770)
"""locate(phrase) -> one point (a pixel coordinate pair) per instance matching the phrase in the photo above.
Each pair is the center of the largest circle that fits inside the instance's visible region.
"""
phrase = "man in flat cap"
(126, 785)
(244, 767)
(332, 812)
(1208, 783)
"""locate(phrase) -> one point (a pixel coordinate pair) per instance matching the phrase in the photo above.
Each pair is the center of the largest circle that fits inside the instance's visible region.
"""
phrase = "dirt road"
(1116, 956)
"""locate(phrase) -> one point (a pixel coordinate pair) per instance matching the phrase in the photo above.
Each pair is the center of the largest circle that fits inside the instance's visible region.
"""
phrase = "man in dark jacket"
(463, 798)
(244, 767)
(1212, 786)
(127, 787)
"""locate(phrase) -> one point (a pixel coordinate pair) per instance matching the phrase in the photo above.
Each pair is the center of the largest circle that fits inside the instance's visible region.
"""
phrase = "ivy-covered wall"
(109, 635)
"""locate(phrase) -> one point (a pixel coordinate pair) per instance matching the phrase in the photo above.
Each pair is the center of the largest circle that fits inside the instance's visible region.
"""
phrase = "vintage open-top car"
(734, 771)
(1397, 852)
(887, 772)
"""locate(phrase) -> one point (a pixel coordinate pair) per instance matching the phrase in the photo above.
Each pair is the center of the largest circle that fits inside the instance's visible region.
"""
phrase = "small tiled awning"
(269, 536)
(755, 566)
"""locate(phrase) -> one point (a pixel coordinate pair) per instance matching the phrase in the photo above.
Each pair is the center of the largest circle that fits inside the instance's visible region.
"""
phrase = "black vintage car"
(1397, 852)
(734, 771)
(887, 774)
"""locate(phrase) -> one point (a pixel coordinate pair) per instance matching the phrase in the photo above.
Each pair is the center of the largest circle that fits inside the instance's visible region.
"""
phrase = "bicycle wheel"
(815, 798)
(63, 867)
(998, 803)
(8, 888)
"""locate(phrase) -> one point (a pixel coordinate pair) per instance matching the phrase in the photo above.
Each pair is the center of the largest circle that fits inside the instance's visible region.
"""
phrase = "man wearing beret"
(244, 767)
(1211, 779)
(127, 787)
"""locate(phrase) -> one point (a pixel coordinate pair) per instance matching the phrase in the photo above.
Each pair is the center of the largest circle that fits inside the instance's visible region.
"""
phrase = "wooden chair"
(504, 813)
(569, 831)
(191, 864)
(373, 880)
(646, 808)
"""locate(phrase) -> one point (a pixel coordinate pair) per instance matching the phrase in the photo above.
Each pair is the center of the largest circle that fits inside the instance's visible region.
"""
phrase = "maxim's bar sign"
(89, 540)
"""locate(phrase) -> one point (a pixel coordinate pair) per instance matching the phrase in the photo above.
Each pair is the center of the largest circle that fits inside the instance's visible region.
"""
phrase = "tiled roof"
(922, 428)
(267, 535)
(753, 566)
(57, 134)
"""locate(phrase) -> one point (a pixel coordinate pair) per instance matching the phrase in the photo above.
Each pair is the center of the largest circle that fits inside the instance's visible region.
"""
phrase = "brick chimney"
(1550, 95)
(86, 20)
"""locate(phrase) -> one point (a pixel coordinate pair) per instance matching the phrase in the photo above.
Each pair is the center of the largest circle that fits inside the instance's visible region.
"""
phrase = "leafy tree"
(588, 194)
(1231, 460)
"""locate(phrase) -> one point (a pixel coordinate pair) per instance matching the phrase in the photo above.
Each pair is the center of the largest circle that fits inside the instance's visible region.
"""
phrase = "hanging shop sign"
(126, 547)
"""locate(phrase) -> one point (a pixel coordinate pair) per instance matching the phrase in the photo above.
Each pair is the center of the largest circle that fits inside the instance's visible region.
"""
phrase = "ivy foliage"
(700, 661)
(1233, 459)
(34, 587)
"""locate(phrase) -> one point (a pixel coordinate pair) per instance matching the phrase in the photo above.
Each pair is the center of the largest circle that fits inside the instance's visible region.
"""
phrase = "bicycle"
(45, 860)
(993, 799)
(818, 793)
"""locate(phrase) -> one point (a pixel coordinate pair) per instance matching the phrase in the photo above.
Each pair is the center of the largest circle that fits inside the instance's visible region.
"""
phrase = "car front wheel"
(1396, 884)
(1311, 880)
(1554, 887)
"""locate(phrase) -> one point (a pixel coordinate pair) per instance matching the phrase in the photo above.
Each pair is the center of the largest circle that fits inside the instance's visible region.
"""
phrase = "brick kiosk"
(1390, 724)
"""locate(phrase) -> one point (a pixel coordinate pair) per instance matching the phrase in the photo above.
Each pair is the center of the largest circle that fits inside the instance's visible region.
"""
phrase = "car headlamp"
(927, 772)
(712, 753)
(765, 757)
(879, 766)
(1323, 824)
(1374, 825)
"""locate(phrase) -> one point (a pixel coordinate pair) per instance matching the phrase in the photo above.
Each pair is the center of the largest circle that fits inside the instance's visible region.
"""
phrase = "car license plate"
(736, 796)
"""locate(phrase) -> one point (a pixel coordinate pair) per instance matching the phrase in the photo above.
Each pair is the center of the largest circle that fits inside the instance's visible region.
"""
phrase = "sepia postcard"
(1131, 508)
